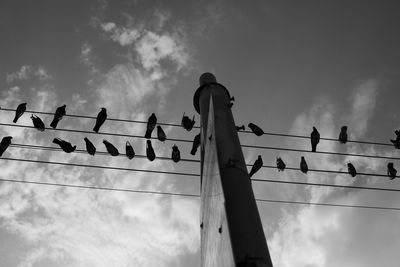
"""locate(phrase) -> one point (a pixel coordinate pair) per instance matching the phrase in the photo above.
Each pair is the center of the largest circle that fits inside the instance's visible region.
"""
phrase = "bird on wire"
(37, 123)
(19, 111)
(396, 142)
(130, 152)
(314, 139)
(65, 145)
(101, 118)
(280, 164)
(150, 151)
(258, 163)
(343, 135)
(4, 144)
(255, 129)
(151, 124)
(90, 148)
(161, 134)
(391, 171)
(187, 123)
(58, 115)
(351, 169)
(195, 144)
(176, 154)
(303, 165)
(111, 149)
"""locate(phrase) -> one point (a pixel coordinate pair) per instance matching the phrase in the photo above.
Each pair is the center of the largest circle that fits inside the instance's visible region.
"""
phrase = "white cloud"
(26, 72)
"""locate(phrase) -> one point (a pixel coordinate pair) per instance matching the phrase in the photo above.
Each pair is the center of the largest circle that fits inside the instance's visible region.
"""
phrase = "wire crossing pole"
(232, 233)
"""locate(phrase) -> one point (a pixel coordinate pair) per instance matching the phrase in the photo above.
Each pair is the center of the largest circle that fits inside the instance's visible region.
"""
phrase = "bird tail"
(194, 150)
(251, 174)
(148, 134)
(96, 128)
(15, 119)
(313, 148)
(54, 123)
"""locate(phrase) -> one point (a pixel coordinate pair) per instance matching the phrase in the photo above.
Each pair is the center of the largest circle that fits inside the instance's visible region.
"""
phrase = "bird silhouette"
(58, 115)
(256, 166)
(280, 164)
(176, 154)
(130, 153)
(150, 151)
(187, 123)
(396, 142)
(101, 118)
(65, 146)
(195, 145)
(161, 134)
(314, 139)
(4, 144)
(19, 111)
(238, 128)
(151, 124)
(90, 148)
(111, 148)
(343, 135)
(391, 171)
(303, 165)
(37, 123)
(255, 129)
(351, 169)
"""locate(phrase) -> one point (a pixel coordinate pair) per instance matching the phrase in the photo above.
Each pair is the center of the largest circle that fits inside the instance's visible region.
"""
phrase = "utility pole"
(231, 229)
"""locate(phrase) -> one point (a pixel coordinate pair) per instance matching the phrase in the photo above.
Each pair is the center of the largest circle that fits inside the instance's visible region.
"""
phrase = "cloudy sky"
(291, 65)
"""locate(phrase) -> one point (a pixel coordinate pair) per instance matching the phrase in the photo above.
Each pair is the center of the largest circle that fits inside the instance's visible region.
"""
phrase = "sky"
(290, 65)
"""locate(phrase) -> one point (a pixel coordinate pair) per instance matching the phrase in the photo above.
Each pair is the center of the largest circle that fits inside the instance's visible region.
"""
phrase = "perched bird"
(391, 171)
(176, 154)
(130, 153)
(238, 128)
(5, 142)
(314, 139)
(101, 118)
(111, 148)
(255, 129)
(256, 166)
(150, 151)
(58, 115)
(161, 134)
(303, 165)
(195, 145)
(343, 135)
(280, 164)
(19, 111)
(351, 169)
(396, 142)
(187, 123)
(151, 124)
(65, 146)
(37, 123)
(90, 148)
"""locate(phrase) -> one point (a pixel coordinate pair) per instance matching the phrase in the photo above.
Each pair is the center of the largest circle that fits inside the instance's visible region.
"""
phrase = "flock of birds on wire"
(187, 124)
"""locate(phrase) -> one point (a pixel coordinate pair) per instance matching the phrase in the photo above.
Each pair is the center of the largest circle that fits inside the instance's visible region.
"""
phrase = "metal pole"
(232, 233)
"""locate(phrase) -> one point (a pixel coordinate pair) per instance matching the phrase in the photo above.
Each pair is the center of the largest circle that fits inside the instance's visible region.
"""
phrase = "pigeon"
(90, 148)
(303, 165)
(196, 144)
(176, 154)
(187, 123)
(101, 118)
(58, 115)
(343, 135)
(5, 142)
(130, 153)
(238, 128)
(256, 166)
(65, 146)
(161, 134)
(111, 148)
(280, 164)
(391, 171)
(396, 142)
(314, 139)
(150, 151)
(151, 124)
(37, 123)
(255, 129)
(19, 111)
(351, 169)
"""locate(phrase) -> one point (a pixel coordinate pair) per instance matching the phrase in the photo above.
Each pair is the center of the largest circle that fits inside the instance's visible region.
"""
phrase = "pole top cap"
(206, 78)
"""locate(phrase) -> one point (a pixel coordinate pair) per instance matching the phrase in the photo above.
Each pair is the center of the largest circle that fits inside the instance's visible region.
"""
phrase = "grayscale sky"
(291, 65)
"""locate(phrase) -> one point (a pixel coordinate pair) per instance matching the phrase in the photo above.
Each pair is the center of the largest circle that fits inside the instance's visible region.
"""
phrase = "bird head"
(103, 109)
(7, 138)
(24, 104)
(314, 129)
(390, 165)
(174, 147)
(302, 157)
(250, 124)
(344, 128)
(105, 141)
(64, 106)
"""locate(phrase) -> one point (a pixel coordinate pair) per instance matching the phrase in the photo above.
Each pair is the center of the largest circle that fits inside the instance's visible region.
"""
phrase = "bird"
(256, 166)
(111, 148)
(151, 124)
(5, 142)
(19, 111)
(161, 134)
(130, 153)
(176, 154)
(391, 171)
(150, 151)
(90, 148)
(280, 164)
(303, 165)
(314, 139)
(187, 123)
(351, 169)
(343, 135)
(101, 118)
(396, 142)
(255, 129)
(65, 146)
(58, 115)
(37, 123)
(195, 145)
(238, 128)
